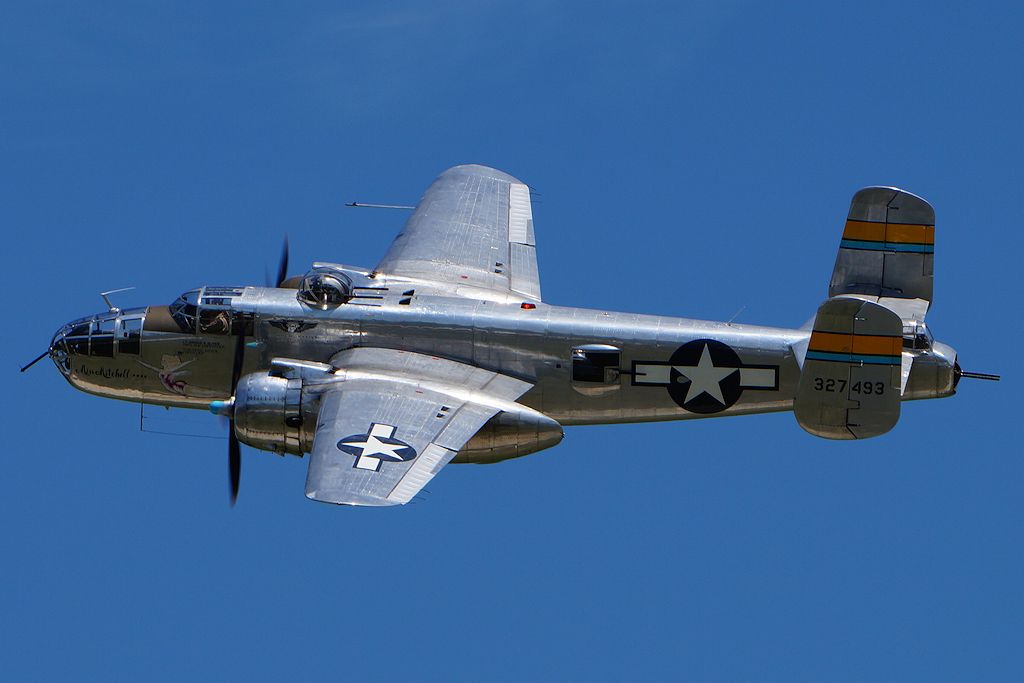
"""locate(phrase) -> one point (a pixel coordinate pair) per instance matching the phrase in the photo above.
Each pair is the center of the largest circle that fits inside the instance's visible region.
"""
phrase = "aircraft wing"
(473, 226)
(395, 420)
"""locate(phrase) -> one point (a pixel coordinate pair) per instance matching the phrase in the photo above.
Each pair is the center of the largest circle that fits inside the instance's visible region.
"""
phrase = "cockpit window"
(324, 287)
(184, 309)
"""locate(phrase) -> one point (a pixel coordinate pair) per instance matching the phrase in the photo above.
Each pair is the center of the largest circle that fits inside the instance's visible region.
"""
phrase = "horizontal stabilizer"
(850, 384)
(887, 251)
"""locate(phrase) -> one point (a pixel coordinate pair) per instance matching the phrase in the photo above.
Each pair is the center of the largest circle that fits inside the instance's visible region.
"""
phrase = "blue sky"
(693, 159)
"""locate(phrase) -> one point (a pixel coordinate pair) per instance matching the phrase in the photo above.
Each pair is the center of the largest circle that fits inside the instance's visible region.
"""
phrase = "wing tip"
(480, 170)
(870, 203)
(349, 499)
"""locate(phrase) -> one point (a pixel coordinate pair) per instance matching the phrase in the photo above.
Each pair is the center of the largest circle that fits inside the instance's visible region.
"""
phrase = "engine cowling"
(277, 410)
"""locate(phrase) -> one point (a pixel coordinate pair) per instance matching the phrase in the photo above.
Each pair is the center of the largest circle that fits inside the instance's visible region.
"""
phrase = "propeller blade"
(282, 266)
(234, 448)
(234, 463)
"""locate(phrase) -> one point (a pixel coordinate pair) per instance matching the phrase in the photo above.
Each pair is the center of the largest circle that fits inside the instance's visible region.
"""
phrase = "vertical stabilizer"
(850, 382)
(887, 251)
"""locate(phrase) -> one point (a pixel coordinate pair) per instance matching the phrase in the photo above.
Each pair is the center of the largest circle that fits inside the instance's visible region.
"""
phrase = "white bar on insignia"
(382, 430)
(653, 374)
(367, 463)
(757, 378)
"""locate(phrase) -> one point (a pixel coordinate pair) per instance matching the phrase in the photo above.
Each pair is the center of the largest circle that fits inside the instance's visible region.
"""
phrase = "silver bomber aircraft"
(445, 351)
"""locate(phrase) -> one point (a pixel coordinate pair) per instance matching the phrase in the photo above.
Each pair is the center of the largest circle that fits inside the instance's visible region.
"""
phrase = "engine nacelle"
(511, 435)
(277, 411)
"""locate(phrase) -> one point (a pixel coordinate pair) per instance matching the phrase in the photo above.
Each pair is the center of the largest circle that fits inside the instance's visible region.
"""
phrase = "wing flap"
(524, 278)
(520, 215)
(434, 457)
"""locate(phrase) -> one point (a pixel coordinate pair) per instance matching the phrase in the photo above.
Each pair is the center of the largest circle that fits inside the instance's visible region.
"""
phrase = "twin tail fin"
(854, 368)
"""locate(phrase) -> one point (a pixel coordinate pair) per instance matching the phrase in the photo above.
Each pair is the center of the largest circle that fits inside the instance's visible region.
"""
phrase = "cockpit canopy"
(325, 286)
(185, 309)
(210, 310)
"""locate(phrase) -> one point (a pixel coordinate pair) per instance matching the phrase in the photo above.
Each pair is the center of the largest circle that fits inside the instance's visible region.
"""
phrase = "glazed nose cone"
(59, 352)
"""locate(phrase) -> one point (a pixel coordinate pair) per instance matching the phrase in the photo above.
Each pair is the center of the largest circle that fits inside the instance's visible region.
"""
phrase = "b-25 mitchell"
(446, 352)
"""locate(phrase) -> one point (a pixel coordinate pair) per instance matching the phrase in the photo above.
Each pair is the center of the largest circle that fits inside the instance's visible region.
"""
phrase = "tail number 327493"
(833, 386)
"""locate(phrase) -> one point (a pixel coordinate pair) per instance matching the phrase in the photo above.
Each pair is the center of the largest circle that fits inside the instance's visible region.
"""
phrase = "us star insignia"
(705, 376)
(376, 446)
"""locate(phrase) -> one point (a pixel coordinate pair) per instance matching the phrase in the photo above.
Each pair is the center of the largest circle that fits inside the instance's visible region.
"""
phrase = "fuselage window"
(597, 363)
(78, 339)
(917, 336)
(131, 336)
(214, 321)
(103, 339)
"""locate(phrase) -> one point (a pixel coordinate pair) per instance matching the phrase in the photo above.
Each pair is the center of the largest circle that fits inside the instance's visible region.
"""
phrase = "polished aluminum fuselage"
(536, 344)
(531, 341)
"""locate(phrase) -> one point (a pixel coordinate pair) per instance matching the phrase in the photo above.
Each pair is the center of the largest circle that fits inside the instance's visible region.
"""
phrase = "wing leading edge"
(472, 227)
